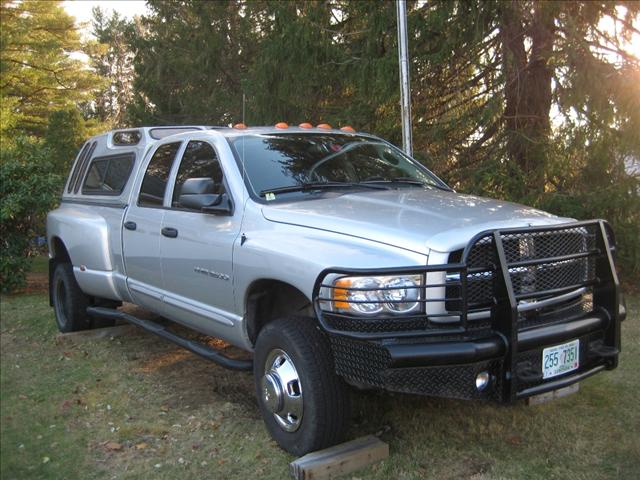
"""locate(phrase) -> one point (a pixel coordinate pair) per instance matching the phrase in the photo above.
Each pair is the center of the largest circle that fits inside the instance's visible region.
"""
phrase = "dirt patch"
(37, 282)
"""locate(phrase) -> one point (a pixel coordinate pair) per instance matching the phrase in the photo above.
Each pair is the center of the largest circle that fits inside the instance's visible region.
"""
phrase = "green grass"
(39, 264)
(175, 415)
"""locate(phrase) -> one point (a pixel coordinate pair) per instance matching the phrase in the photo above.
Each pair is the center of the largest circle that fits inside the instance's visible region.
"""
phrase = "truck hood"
(414, 219)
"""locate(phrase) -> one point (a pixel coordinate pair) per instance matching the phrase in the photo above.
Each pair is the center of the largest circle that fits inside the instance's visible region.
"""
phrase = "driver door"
(196, 247)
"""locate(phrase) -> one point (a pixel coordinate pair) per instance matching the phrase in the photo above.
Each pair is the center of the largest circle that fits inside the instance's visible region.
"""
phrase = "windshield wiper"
(303, 187)
(407, 181)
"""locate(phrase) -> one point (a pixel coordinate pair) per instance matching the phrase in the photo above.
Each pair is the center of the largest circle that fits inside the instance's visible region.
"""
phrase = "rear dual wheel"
(70, 302)
(305, 405)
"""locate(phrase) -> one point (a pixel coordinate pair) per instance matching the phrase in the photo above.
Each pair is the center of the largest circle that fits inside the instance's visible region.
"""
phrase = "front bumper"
(449, 368)
(445, 363)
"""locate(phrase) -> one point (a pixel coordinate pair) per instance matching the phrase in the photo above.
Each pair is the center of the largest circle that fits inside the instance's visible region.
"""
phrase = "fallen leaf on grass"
(141, 446)
(113, 446)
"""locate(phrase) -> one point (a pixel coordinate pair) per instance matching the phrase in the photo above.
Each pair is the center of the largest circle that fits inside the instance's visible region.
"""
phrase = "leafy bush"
(592, 183)
(619, 207)
(65, 134)
(29, 189)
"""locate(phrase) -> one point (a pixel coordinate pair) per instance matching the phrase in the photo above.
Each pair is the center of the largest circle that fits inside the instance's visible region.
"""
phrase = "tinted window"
(74, 173)
(82, 169)
(155, 179)
(108, 175)
(129, 137)
(199, 161)
(274, 161)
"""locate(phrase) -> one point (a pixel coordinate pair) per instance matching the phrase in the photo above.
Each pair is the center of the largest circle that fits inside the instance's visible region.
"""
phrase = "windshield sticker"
(270, 196)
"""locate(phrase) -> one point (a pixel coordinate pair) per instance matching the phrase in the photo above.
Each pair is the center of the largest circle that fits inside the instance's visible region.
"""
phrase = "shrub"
(65, 133)
(618, 202)
(29, 189)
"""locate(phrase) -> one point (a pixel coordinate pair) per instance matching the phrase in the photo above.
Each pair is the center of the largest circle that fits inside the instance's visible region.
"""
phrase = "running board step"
(198, 348)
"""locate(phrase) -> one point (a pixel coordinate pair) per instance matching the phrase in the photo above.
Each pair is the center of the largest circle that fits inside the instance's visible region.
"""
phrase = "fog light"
(482, 380)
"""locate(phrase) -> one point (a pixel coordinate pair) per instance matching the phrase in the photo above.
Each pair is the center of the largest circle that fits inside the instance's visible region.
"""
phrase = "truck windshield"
(304, 163)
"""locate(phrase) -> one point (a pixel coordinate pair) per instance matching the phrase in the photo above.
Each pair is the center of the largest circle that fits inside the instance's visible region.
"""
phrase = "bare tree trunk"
(527, 87)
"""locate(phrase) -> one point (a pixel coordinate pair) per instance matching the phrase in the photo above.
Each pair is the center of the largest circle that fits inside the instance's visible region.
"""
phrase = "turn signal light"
(240, 126)
(282, 125)
(341, 295)
(348, 128)
(326, 126)
(305, 125)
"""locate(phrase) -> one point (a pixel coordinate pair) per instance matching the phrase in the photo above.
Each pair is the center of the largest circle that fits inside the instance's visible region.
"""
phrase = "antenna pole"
(405, 90)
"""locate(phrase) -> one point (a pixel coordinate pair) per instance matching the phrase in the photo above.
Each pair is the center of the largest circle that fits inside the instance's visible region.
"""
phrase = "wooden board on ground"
(98, 333)
(339, 460)
(553, 395)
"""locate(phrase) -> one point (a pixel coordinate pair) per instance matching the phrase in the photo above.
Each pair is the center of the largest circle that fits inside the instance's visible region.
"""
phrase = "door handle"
(130, 225)
(169, 232)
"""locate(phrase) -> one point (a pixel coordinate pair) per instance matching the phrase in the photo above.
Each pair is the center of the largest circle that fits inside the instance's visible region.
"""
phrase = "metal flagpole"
(405, 91)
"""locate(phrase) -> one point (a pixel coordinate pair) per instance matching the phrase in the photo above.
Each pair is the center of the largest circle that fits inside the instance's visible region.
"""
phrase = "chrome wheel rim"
(281, 390)
(60, 302)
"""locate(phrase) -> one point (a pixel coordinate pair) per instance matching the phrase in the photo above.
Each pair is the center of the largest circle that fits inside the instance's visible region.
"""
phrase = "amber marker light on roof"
(347, 128)
(326, 126)
(305, 125)
(282, 125)
(240, 126)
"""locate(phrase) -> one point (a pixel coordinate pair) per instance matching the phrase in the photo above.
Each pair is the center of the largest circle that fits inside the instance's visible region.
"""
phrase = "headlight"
(375, 295)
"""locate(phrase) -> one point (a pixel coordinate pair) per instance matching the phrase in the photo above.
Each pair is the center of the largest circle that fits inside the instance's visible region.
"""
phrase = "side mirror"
(198, 194)
(220, 206)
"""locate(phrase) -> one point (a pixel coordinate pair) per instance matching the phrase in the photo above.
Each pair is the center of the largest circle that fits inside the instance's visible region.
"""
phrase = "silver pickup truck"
(336, 260)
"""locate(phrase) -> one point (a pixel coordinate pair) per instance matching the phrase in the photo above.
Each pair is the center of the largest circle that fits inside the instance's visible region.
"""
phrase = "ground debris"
(112, 446)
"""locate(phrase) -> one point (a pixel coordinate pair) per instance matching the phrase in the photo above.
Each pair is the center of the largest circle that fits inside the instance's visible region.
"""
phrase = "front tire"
(304, 404)
(69, 302)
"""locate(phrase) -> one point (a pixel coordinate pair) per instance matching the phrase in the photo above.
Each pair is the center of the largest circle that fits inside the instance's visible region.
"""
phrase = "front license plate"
(560, 359)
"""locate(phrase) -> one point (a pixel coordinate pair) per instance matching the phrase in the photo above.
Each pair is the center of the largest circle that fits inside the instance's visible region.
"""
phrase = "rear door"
(142, 229)
(197, 257)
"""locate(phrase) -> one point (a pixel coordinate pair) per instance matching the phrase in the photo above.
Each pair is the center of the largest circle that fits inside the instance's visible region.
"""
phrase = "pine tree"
(38, 73)
(112, 59)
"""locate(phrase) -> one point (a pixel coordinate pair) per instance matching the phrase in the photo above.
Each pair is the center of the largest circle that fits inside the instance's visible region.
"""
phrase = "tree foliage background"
(536, 102)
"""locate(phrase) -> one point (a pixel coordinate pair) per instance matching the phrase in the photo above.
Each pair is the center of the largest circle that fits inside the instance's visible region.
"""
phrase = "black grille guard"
(504, 318)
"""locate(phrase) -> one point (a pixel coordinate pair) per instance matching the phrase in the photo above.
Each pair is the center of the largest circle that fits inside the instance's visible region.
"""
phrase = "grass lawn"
(40, 264)
(140, 407)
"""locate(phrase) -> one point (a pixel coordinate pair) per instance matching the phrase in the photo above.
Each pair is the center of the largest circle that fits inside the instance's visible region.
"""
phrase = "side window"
(108, 175)
(82, 168)
(76, 168)
(155, 178)
(199, 161)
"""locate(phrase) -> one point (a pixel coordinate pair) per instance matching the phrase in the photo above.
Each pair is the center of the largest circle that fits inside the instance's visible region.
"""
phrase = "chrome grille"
(544, 264)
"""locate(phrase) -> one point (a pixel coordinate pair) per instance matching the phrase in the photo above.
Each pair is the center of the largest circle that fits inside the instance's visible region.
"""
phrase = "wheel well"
(268, 300)
(59, 252)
